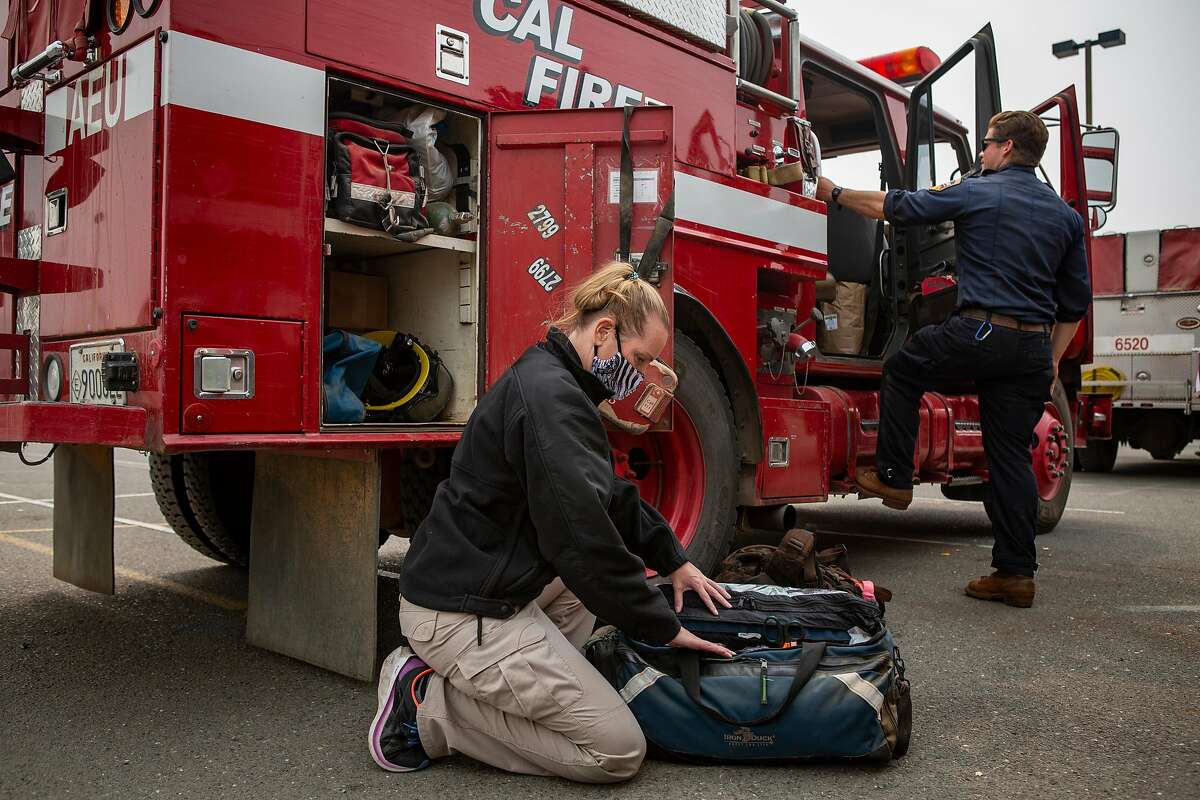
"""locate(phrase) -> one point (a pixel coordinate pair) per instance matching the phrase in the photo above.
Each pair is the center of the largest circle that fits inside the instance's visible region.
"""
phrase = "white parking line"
(133, 464)
(132, 574)
(51, 499)
(959, 502)
(50, 504)
(51, 530)
(905, 539)
(1164, 609)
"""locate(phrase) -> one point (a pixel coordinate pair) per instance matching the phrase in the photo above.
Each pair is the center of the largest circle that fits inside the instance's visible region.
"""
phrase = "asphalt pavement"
(153, 692)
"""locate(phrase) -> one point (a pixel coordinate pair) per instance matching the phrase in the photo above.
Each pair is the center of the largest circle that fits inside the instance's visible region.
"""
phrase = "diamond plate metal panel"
(29, 242)
(29, 318)
(1169, 377)
(702, 21)
(1144, 315)
(33, 96)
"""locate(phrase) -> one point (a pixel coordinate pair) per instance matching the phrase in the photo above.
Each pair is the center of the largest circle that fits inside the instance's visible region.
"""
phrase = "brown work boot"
(1014, 590)
(870, 485)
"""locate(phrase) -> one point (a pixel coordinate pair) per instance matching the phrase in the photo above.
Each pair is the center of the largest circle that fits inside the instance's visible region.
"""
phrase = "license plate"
(86, 384)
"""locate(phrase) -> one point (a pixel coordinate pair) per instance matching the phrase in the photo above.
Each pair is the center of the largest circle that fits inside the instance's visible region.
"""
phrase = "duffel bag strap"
(689, 673)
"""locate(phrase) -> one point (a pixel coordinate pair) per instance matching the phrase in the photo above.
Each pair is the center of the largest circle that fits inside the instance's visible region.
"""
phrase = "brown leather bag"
(796, 562)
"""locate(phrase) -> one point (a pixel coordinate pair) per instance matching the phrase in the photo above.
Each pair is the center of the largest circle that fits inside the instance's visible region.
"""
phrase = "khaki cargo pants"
(526, 700)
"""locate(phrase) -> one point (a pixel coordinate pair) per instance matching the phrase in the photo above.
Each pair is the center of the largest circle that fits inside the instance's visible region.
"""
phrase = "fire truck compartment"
(430, 286)
(240, 375)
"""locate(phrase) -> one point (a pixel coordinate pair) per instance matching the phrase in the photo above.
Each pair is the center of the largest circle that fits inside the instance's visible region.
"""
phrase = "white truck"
(1146, 286)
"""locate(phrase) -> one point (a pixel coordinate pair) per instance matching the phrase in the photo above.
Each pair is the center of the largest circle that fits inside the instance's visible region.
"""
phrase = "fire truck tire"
(220, 488)
(1099, 456)
(703, 397)
(166, 478)
(1050, 510)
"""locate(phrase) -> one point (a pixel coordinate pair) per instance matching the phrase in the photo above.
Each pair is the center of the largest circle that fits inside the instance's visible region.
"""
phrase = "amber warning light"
(904, 66)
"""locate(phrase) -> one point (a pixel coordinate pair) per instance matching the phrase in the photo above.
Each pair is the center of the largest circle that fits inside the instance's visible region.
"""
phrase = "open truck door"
(556, 181)
(555, 190)
(1062, 112)
(1087, 182)
(930, 248)
(919, 152)
(927, 251)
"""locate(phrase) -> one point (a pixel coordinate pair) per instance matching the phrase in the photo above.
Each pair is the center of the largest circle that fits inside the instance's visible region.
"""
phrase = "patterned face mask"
(617, 374)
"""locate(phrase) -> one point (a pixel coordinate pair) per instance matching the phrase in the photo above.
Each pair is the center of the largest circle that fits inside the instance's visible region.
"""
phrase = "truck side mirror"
(1100, 148)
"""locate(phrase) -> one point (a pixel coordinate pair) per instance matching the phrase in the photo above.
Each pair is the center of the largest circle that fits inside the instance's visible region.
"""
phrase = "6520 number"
(1132, 343)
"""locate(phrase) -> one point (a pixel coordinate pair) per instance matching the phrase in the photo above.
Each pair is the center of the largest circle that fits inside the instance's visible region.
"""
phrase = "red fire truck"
(169, 270)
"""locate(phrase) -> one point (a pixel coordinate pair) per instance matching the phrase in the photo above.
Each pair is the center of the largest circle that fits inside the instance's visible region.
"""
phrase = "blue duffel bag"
(815, 675)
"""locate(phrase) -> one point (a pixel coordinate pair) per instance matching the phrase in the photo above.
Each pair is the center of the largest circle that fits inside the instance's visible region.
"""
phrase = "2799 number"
(1132, 343)
(544, 274)
(543, 221)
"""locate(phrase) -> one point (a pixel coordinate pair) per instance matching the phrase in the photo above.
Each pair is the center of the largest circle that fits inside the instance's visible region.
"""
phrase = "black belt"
(1003, 320)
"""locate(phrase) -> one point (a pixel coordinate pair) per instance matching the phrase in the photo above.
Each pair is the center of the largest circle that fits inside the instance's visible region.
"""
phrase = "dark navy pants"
(1012, 372)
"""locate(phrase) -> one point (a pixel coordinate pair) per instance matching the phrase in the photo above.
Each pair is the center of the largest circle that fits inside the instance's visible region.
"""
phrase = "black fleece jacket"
(532, 495)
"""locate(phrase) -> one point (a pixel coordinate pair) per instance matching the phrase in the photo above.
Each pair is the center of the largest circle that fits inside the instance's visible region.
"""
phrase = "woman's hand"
(690, 641)
(688, 577)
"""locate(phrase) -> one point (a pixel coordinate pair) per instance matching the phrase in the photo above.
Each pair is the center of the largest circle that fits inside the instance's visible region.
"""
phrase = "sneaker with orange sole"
(393, 738)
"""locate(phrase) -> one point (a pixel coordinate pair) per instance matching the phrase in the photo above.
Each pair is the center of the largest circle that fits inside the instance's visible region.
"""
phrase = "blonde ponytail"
(615, 290)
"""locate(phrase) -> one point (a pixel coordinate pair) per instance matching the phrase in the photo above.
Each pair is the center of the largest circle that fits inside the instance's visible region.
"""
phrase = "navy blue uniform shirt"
(1020, 250)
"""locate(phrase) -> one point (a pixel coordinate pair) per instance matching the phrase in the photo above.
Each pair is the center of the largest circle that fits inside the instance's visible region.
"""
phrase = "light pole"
(1070, 47)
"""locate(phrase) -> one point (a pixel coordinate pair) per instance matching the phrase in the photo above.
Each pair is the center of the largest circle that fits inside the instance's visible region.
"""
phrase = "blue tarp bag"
(349, 360)
(817, 676)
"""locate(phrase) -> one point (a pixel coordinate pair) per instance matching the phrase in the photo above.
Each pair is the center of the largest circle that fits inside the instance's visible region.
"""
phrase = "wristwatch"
(835, 194)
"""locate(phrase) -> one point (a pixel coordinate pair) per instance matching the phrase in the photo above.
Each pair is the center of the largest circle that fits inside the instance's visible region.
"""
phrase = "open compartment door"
(554, 215)
(1061, 114)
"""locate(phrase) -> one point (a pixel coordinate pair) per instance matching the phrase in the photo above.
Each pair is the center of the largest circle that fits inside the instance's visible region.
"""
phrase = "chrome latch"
(223, 373)
(778, 451)
(56, 212)
(453, 55)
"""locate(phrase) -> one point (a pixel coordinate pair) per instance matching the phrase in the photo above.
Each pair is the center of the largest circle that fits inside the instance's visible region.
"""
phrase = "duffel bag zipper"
(832, 599)
(762, 700)
(876, 662)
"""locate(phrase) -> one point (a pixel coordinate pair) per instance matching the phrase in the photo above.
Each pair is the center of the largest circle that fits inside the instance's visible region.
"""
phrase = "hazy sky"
(1147, 89)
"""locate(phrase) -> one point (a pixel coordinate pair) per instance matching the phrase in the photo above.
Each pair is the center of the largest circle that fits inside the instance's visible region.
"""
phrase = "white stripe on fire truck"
(210, 76)
(720, 206)
(221, 79)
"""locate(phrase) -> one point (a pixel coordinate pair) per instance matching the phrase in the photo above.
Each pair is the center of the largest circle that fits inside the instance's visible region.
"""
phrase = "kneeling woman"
(530, 538)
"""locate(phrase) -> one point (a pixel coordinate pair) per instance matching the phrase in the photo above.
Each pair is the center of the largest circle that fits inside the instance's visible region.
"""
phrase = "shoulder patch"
(942, 186)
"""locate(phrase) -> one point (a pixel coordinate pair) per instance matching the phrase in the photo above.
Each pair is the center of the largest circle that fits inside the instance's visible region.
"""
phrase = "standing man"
(1023, 288)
